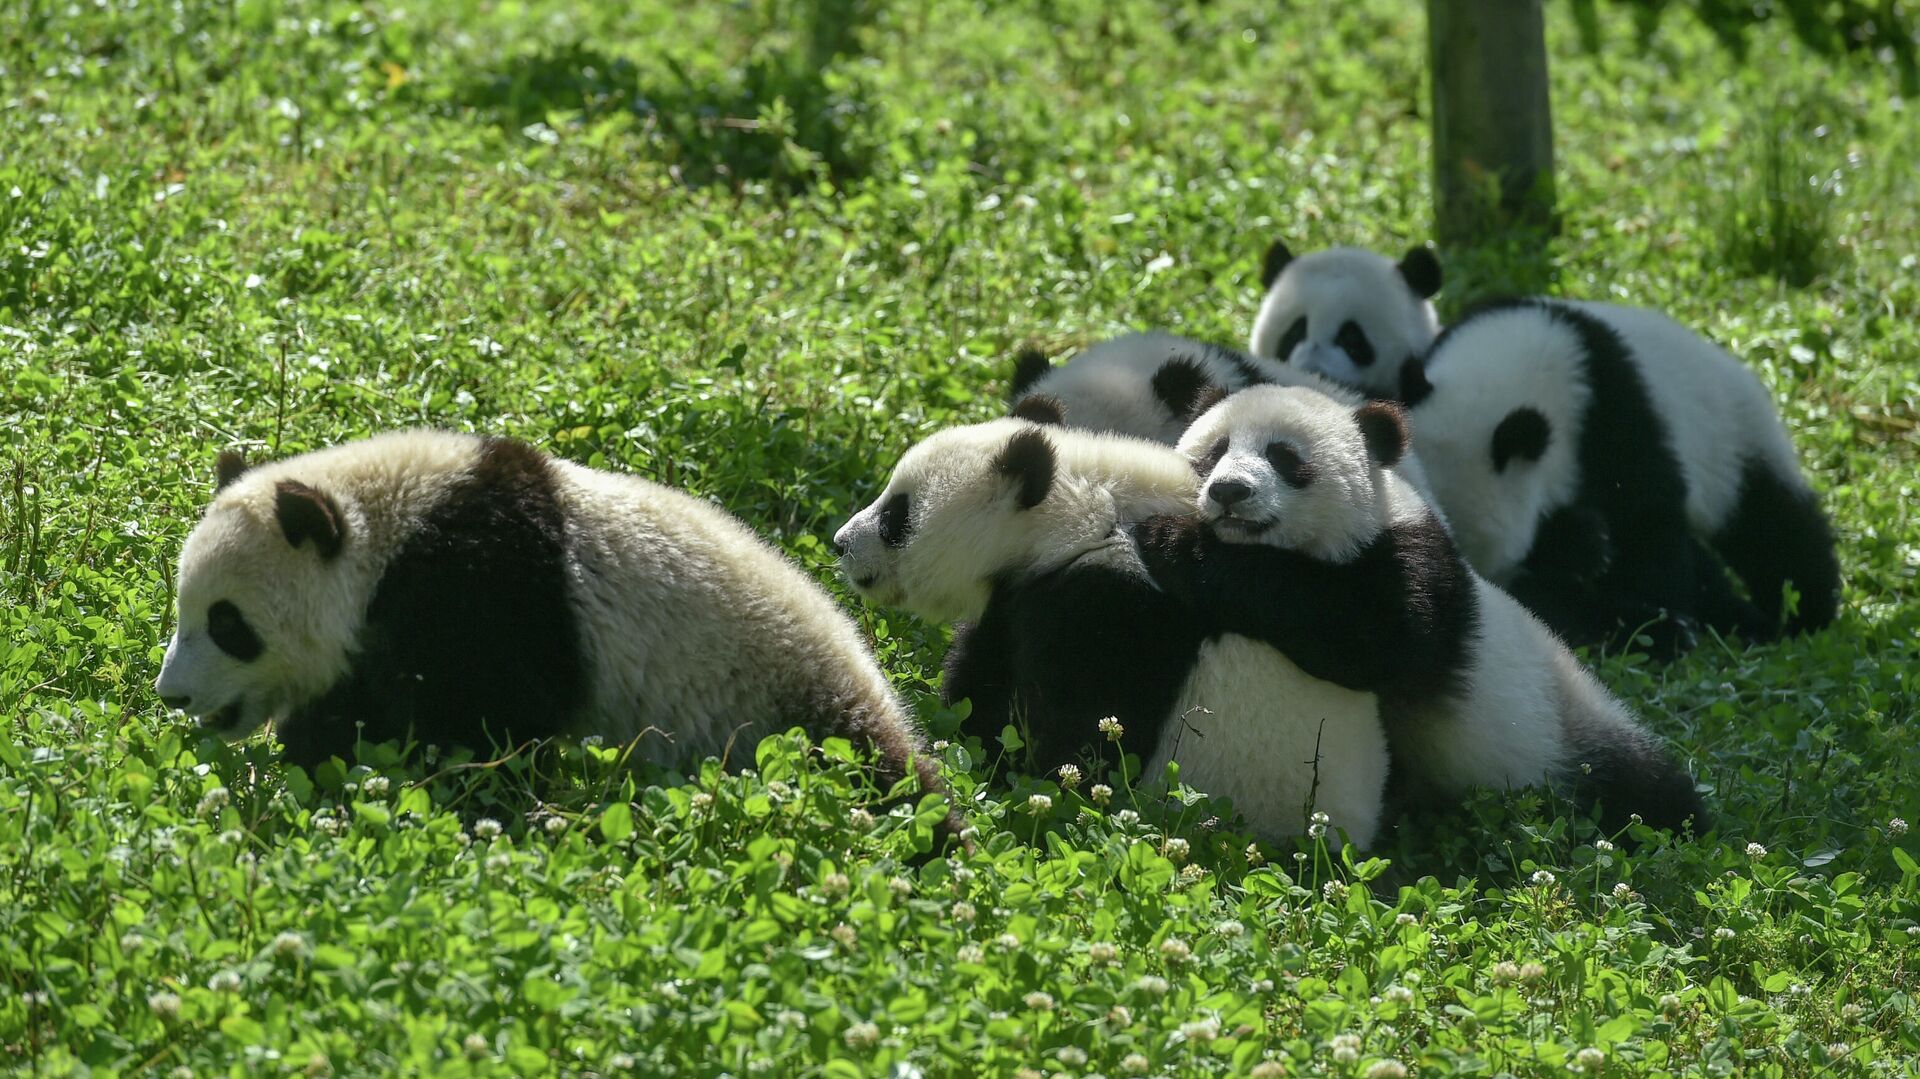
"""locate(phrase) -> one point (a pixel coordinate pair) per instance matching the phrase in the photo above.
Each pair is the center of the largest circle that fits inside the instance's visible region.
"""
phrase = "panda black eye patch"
(893, 520)
(1205, 465)
(1353, 341)
(232, 634)
(1295, 334)
(1297, 471)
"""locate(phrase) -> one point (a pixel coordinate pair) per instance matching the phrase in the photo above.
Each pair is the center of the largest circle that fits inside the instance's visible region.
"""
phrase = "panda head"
(1293, 468)
(270, 592)
(1499, 429)
(974, 505)
(1350, 315)
(1138, 384)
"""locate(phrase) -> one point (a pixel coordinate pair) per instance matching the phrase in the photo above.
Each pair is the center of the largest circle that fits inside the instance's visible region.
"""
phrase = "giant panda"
(1018, 531)
(1306, 539)
(1349, 315)
(1594, 459)
(1139, 384)
(466, 590)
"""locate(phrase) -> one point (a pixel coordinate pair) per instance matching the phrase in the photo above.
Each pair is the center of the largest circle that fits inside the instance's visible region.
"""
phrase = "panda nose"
(1228, 492)
(178, 702)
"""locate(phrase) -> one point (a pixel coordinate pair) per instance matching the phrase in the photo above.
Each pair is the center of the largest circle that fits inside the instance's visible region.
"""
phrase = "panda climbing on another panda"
(1018, 530)
(1140, 384)
(1348, 315)
(1307, 540)
(1600, 462)
(469, 591)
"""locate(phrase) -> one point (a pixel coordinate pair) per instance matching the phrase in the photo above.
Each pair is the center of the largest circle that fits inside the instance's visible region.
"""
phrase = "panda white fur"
(1307, 540)
(1139, 384)
(470, 591)
(1595, 459)
(1018, 530)
(1350, 315)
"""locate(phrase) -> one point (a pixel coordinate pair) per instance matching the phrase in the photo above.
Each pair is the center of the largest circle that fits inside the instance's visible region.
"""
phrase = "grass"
(651, 239)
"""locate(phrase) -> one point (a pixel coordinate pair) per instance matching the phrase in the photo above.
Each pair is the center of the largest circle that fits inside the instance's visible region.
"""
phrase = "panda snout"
(1227, 493)
(179, 702)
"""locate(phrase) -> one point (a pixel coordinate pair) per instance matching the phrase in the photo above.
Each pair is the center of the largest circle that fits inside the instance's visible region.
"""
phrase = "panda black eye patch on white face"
(1353, 341)
(894, 520)
(1295, 334)
(1205, 465)
(231, 633)
(1296, 470)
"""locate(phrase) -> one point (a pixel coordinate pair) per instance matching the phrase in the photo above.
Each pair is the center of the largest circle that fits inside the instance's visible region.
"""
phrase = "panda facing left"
(471, 591)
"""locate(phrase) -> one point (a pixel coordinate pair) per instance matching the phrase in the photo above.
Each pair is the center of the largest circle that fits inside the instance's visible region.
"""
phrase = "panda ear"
(1029, 367)
(227, 468)
(1522, 436)
(1384, 429)
(1276, 260)
(1042, 408)
(1204, 401)
(1421, 271)
(1179, 383)
(1027, 460)
(1414, 386)
(306, 514)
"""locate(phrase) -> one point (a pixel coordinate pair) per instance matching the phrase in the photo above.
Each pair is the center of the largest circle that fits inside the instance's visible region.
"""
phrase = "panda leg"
(1721, 607)
(1570, 606)
(1778, 534)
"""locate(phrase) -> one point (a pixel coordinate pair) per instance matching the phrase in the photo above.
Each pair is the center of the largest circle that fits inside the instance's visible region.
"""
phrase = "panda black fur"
(1348, 315)
(1018, 532)
(1307, 540)
(468, 591)
(1140, 384)
(1601, 461)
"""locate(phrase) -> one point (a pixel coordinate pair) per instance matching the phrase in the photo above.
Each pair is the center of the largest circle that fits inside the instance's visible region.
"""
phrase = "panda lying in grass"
(468, 591)
(1351, 316)
(1599, 462)
(1307, 540)
(1019, 531)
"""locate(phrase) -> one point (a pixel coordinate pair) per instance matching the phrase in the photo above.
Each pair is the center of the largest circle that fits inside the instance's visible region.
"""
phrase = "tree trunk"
(1492, 131)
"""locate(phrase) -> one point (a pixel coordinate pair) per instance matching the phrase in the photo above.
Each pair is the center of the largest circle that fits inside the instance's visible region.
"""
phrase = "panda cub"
(1019, 531)
(466, 591)
(1139, 384)
(1307, 540)
(1352, 316)
(1600, 462)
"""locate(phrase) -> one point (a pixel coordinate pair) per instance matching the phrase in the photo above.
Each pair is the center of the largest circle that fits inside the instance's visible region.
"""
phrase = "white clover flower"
(165, 1006)
(1255, 858)
(1838, 1051)
(1152, 985)
(376, 786)
(1670, 1003)
(1505, 972)
(1201, 1031)
(486, 828)
(555, 825)
(1603, 845)
(1006, 942)
(131, 941)
(1191, 874)
(701, 801)
(1623, 893)
(835, 884)
(1069, 776)
(1175, 950)
(462, 840)
(1038, 804)
(1756, 852)
(1230, 929)
(232, 837)
(779, 791)
(1387, 1069)
(1102, 952)
(289, 945)
(1398, 994)
(1532, 972)
(941, 745)
(1316, 831)
(1897, 827)
(1111, 727)
(1346, 1048)
(861, 1036)
(1119, 1016)
(901, 887)
(1100, 793)
(212, 802)
(225, 981)
(1072, 1056)
(621, 1062)
(1134, 1064)
(1723, 933)
(1404, 918)
(1335, 891)
(1177, 849)
(1798, 989)
(970, 953)
(1038, 1001)
(1543, 878)
(787, 1017)
(1267, 1069)
(860, 820)
(845, 935)
(1126, 818)
(499, 862)
(1320, 818)
(963, 912)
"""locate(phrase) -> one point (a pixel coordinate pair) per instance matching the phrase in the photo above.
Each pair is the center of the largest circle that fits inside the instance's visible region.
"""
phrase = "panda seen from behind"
(473, 592)
(1019, 531)
(1348, 315)
(1306, 539)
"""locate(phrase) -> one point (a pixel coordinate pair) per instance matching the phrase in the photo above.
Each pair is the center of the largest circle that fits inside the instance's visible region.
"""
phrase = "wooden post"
(1492, 129)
